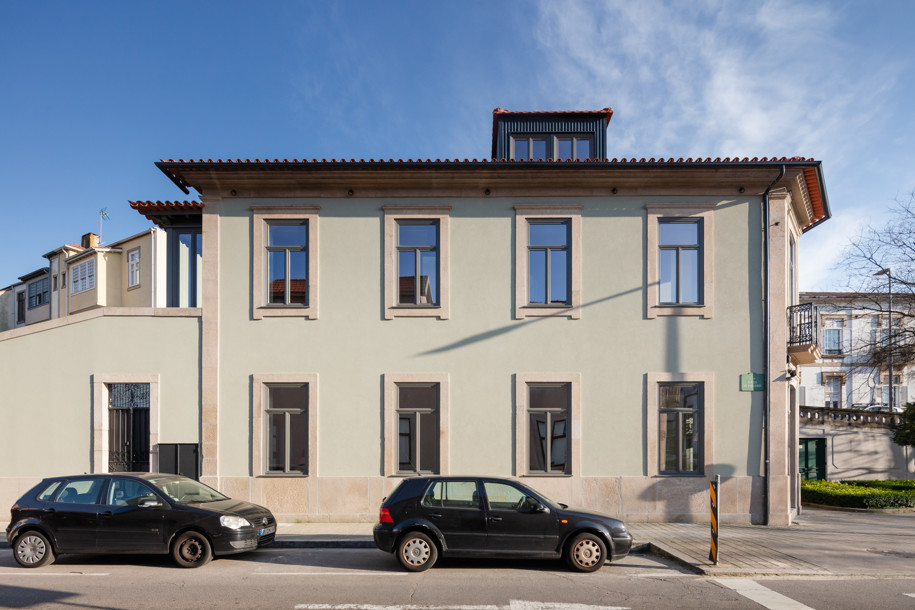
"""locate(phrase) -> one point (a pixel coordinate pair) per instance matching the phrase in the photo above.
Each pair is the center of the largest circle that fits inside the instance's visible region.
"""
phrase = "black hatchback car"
(489, 517)
(133, 513)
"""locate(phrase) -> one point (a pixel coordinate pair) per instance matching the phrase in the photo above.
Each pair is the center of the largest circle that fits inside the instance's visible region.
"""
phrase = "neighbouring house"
(846, 426)
(580, 322)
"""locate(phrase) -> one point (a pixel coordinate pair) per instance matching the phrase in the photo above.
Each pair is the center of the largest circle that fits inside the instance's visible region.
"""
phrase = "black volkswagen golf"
(133, 513)
(482, 516)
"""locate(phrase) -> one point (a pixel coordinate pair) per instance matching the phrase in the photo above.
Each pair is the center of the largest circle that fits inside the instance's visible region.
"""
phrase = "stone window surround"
(523, 214)
(260, 381)
(139, 252)
(391, 380)
(261, 216)
(441, 214)
(704, 212)
(522, 422)
(652, 420)
(101, 421)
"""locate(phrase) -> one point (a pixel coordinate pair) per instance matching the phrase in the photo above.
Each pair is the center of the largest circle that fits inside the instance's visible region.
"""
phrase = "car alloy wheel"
(33, 550)
(417, 552)
(586, 553)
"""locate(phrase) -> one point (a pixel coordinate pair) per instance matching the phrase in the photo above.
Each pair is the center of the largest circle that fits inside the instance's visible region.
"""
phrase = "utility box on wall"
(180, 458)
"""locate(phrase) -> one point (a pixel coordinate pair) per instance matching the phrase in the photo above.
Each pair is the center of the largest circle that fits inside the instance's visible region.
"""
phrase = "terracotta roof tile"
(154, 210)
(608, 112)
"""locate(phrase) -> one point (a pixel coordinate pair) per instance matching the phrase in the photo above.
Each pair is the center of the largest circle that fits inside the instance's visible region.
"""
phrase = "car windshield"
(187, 491)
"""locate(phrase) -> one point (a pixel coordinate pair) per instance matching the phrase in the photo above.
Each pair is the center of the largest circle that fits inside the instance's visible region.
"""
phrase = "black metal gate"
(128, 430)
(812, 459)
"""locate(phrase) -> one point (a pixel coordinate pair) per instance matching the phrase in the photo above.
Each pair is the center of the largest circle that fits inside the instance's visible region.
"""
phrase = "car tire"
(586, 553)
(32, 549)
(416, 552)
(192, 550)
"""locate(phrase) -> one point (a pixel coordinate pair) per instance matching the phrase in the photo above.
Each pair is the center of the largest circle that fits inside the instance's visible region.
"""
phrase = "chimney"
(89, 240)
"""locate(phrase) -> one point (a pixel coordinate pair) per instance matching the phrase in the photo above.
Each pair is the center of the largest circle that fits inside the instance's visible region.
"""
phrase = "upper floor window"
(285, 261)
(39, 292)
(20, 307)
(680, 255)
(547, 261)
(551, 146)
(832, 338)
(82, 277)
(417, 262)
(133, 268)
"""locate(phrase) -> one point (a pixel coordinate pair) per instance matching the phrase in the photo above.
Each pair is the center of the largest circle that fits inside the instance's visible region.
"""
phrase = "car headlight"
(233, 523)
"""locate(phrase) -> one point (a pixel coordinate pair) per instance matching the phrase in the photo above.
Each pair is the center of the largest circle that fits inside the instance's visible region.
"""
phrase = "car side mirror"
(537, 507)
(149, 503)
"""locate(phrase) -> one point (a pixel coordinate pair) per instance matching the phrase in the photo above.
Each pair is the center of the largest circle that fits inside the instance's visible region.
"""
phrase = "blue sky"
(95, 92)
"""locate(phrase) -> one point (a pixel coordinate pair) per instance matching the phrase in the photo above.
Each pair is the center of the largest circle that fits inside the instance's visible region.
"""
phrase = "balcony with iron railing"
(802, 334)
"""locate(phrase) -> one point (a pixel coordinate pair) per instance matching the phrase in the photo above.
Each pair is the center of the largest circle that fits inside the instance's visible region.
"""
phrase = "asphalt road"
(351, 579)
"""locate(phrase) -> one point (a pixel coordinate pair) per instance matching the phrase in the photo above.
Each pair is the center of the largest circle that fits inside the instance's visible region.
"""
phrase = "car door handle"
(107, 513)
(495, 518)
(435, 515)
(47, 510)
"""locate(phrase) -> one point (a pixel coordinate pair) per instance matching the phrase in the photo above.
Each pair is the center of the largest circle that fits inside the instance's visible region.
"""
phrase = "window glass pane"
(276, 275)
(298, 277)
(288, 397)
(287, 235)
(564, 148)
(276, 442)
(521, 149)
(538, 440)
(429, 441)
(582, 148)
(678, 233)
(549, 234)
(461, 494)
(537, 280)
(689, 276)
(502, 496)
(407, 282)
(428, 278)
(667, 290)
(298, 441)
(549, 396)
(406, 442)
(679, 396)
(48, 493)
(81, 492)
(669, 441)
(559, 276)
(690, 443)
(417, 397)
(538, 148)
(418, 235)
(558, 446)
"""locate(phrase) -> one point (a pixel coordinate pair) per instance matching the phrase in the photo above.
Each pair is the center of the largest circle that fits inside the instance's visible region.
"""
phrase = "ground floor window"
(286, 425)
(680, 428)
(416, 423)
(548, 409)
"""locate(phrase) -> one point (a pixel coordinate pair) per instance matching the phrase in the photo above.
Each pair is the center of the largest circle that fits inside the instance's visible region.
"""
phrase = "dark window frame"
(551, 140)
(414, 436)
(418, 250)
(698, 414)
(546, 442)
(287, 412)
(548, 266)
(287, 271)
(39, 292)
(679, 249)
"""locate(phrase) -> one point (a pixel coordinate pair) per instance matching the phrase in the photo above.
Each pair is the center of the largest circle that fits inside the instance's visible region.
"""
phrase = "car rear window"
(84, 491)
(49, 491)
(452, 494)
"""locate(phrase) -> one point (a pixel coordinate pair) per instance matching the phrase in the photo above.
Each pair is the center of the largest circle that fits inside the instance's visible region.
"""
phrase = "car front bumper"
(622, 544)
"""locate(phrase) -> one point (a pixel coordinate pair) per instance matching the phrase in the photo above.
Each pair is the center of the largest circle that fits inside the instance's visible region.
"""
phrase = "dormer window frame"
(551, 145)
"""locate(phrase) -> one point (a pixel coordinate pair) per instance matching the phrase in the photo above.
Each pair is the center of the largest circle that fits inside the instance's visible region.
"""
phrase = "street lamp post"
(889, 277)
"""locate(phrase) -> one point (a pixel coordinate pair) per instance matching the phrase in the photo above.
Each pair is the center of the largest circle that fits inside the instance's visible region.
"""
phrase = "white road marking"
(761, 595)
(513, 605)
(909, 594)
(363, 573)
(18, 574)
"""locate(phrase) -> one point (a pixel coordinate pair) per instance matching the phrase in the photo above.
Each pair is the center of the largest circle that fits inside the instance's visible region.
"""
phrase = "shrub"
(906, 485)
(851, 494)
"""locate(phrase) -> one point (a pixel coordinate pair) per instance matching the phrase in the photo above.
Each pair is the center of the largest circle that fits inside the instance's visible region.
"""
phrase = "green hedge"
(859, 494)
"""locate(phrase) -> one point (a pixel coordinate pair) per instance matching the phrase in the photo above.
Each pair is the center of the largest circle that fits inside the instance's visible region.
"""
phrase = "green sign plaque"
(751, 382)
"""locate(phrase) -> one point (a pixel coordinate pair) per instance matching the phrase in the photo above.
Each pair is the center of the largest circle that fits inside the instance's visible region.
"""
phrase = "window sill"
(690, 475)
(280, 311)
(134, 287)
(282, 475)
(704, 311)
(416, 311)
(549, 475)
(532, 311)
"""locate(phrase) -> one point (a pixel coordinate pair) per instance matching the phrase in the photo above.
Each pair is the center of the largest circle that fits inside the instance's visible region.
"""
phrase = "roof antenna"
(102, 215)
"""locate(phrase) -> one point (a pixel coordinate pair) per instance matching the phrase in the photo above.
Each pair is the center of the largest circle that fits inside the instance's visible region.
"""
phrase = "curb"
(283, 542)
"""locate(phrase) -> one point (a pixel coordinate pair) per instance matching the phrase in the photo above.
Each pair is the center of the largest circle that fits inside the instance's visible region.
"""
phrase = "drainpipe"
(766, 342)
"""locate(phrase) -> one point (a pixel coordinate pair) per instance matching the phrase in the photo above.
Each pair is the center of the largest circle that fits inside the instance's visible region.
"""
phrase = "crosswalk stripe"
(763, 596)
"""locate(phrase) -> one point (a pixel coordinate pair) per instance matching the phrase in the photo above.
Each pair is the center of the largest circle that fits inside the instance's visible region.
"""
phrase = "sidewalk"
(820, 543)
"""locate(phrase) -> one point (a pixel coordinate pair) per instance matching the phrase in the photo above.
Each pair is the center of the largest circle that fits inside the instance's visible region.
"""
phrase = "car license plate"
(267, 530)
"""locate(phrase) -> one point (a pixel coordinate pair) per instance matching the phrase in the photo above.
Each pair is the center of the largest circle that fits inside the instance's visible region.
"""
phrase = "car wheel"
(192, 550)
(586, 553)
(416, 552)
(33, 550)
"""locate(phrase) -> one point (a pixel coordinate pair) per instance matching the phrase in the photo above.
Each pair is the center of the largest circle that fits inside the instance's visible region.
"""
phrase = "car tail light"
(384, 516)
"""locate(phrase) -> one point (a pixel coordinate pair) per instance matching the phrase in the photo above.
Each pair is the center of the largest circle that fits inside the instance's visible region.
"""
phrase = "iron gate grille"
(128, 431)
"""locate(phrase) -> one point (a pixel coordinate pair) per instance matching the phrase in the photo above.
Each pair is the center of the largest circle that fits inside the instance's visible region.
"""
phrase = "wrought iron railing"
(802, 327)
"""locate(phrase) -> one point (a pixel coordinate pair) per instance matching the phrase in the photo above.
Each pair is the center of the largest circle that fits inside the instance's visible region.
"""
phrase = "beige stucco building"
(324, 328)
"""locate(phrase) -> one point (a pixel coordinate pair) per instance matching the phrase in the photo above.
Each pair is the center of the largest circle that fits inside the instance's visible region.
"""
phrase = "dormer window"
(551, 146)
